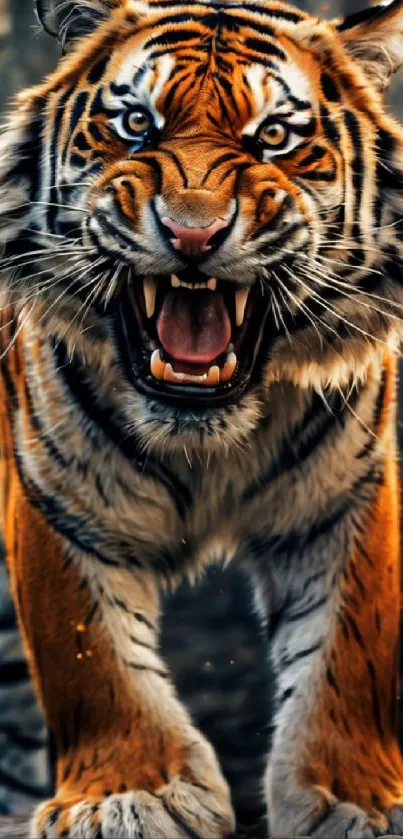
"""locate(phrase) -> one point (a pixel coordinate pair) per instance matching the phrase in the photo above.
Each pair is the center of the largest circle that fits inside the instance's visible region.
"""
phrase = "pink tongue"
(194, 326)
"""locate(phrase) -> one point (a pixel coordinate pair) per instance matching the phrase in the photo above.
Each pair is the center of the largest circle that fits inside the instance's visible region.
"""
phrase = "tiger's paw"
(348, 821)
(182, 810)
(320, 815)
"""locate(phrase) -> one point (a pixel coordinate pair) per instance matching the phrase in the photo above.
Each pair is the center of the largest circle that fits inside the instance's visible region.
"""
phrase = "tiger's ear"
(71, 19)
(375, 38)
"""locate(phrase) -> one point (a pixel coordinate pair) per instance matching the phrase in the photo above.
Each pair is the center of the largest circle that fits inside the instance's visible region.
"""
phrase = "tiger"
(201, 261)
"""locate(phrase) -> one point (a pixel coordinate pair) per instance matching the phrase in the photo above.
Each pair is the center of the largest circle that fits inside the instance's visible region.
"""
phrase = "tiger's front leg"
(335, 770)
(130, 763)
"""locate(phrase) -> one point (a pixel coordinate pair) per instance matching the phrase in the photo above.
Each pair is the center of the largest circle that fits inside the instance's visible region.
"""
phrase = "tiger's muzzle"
(195, 318)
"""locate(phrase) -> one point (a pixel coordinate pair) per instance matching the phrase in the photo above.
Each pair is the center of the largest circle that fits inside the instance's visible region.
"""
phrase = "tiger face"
(211, 194)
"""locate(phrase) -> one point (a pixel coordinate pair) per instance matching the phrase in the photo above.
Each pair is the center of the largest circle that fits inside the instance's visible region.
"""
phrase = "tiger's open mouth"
(193, 339)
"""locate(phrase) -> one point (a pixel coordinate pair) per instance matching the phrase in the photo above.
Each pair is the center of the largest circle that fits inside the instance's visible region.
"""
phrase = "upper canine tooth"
(150, 290)
(212, 284)
(241, 298)
(175, 281)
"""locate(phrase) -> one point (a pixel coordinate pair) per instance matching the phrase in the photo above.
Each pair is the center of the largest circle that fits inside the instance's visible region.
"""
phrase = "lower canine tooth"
(175, 281)
(150, 290)
(169, 375)
(228, 370)
(212, 284)
(157, 365)
(213, 376)
(241, 298)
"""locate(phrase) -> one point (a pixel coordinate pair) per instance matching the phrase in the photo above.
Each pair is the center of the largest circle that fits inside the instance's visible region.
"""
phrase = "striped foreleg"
(335, 769)
(130, 763)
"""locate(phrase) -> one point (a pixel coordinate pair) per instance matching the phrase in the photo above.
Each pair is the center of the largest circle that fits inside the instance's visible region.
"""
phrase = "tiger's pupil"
(274, 135)
(138, 122)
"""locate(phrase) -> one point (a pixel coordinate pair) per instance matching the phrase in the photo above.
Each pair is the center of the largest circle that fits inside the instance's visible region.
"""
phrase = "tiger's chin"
(190, 342)
(200, 434)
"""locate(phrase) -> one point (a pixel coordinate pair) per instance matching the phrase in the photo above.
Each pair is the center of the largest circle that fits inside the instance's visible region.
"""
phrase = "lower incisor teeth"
(164, 372)
(210, 284)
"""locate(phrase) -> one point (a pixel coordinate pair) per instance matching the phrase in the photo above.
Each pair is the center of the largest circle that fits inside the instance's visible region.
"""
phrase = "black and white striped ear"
(375, 38)
(68, 20)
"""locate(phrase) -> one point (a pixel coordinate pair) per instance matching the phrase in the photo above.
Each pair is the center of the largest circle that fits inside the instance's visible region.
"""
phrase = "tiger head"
(205, 198)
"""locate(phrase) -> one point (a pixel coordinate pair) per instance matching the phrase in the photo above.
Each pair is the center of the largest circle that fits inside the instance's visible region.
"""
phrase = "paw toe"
(180, 812)
(344, 821)
(81, 822)
(120, 817)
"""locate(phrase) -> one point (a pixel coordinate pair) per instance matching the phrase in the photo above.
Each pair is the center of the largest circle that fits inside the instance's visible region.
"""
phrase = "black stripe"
(110, 229)
(332, 681)
(320, 821)
(225, 115)
(288, 661)
(229, 91)
(317, 153)
(303, 538)
(264, 48)
(279, 14)
(358, 170)
(9, 382)
(50, 446)
(98, 69)
(326, 175)
(330, 128)
(329, 87)
(76, 530)
(181, 17)
(360, 17)
(282, 238)
(284, 696)
(95, 132)
(52, 211)
(304, 613)
(138, 616)
(231, 20)
(173, 38)
(223, 158)
(355, 631)
(325, 416)
(177, 163)
(146, 669)
(102, 418)
(144, 644)
(375, 699)
(359, 583)
(77, 110)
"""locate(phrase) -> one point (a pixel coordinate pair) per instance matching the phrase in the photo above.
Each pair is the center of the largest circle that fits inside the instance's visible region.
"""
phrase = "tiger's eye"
(274, 134)
(138, 122)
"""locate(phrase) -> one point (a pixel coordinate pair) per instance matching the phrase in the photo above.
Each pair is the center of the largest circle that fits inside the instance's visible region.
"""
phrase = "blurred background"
(211, 636)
